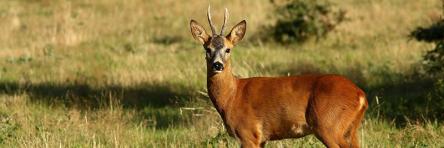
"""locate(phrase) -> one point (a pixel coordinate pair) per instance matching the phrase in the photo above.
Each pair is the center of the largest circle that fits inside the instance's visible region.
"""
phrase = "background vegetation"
(300, 20)
(110, 73)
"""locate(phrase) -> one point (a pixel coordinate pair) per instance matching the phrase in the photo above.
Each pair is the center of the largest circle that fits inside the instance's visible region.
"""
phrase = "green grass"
(110, 73)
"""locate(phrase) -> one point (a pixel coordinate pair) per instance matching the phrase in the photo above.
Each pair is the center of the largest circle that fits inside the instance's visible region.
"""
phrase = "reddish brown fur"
(255, 110)
(326, 105)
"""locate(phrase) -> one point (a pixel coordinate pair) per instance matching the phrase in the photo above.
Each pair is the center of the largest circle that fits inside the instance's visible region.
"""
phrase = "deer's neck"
(222, 88)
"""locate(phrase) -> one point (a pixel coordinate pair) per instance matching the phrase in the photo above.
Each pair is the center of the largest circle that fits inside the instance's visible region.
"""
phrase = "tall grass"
(111, 73)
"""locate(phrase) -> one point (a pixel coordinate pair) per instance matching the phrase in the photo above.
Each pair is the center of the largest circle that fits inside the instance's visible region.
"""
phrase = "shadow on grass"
(89, 97)
(405, 101)
(155, 102)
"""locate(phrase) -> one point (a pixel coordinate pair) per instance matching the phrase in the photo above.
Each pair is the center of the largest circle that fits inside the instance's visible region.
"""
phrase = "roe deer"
(255, 110)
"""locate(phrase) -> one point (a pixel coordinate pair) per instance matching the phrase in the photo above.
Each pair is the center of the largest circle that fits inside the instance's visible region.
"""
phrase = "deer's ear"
(238, 32)
(198, 32)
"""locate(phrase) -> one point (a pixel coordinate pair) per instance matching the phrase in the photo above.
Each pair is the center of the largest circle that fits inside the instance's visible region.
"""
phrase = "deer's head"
(217, 46)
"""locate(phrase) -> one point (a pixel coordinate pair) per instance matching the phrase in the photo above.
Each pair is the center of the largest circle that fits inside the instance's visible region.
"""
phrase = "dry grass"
(116, 74)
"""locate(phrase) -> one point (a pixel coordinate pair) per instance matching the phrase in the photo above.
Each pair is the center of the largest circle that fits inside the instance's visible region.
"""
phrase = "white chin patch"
(217, 71)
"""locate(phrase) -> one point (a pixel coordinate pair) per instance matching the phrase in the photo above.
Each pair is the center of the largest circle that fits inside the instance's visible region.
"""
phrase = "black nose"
(218, 66)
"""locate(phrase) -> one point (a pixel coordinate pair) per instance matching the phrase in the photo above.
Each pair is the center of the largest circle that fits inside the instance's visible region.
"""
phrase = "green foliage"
(20, 60)
(300, 20)
(434, 59)
(220, 138)
(70, 78)
(432, 33)
(433, 62)
(8, 127)
(436, 98)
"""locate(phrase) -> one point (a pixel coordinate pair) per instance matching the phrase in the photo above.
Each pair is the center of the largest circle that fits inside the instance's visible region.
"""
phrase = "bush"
(433, 33)
(433, 59)
(437, 95)
(299, 20)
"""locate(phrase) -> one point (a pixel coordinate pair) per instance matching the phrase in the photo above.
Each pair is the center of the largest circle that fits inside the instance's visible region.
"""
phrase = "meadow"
(110, 73)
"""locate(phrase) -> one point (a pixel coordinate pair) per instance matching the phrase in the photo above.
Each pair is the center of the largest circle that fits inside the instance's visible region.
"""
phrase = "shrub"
(433, 33)
(299, 20)
(437, 95)
(433, 59)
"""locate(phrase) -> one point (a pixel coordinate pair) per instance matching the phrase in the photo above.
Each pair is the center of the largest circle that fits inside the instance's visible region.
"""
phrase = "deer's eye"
(228, 50)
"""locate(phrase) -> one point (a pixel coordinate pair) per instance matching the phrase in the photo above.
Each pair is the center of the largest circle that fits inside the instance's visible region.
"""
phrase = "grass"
(108, 73)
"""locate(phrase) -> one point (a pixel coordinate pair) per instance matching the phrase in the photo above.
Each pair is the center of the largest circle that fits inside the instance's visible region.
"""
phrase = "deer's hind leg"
(332, 137)
(354, 138)
(332, 125)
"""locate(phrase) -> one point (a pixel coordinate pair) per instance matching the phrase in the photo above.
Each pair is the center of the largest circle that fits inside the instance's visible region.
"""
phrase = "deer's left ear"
(238, 32)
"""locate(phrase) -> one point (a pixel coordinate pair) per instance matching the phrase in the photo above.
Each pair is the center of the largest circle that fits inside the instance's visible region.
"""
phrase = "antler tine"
(225, 21)
(209, 20)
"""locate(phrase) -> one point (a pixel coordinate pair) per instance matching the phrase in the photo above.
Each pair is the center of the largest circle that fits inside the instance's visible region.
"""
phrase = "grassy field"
(108, 73)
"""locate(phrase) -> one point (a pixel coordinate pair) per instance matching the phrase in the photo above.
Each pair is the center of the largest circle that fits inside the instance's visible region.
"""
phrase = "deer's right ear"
(198, 32)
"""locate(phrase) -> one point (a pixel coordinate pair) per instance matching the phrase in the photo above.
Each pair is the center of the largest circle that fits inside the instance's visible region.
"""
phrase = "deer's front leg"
(251, 137)
(249, 144)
